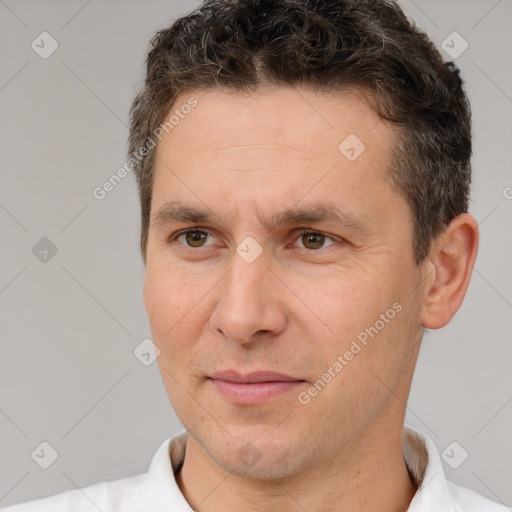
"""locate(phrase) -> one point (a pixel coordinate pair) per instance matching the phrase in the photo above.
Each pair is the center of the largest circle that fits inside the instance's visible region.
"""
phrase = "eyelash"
(302, 232)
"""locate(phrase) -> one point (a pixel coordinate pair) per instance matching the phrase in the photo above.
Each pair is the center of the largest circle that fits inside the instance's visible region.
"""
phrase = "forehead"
(273, 147)
(288, 116)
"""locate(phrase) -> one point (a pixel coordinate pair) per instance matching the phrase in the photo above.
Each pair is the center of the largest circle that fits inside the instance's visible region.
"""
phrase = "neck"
(368, 474)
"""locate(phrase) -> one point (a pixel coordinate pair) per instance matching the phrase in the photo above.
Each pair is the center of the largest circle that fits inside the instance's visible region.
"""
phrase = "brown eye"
(313, 240)
(195, 238)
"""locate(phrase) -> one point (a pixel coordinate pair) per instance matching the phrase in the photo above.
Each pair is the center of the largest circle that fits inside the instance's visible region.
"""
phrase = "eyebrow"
(175, 211)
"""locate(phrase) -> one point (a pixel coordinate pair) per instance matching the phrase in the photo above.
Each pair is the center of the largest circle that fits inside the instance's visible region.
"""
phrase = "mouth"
(253, 388)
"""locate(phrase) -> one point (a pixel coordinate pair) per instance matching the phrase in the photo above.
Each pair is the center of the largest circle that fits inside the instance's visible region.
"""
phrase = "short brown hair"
(327, 45)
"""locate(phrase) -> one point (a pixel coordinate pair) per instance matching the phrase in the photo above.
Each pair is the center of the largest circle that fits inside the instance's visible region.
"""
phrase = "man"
(304, 171)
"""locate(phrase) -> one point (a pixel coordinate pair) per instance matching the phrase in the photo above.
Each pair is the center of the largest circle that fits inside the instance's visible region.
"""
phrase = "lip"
(252, 377)
(253, 388)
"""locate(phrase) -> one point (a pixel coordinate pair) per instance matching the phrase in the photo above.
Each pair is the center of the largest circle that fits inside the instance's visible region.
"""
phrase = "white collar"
(425, 467)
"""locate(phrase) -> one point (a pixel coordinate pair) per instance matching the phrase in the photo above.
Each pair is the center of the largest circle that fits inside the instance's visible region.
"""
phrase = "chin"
(255, 452)
(261, 461)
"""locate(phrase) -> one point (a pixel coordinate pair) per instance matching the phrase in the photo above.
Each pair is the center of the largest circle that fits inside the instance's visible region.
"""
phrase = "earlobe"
(451, 259)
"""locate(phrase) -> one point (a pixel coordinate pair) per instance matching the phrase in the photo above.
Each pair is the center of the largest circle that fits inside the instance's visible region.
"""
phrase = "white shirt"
(157, 490)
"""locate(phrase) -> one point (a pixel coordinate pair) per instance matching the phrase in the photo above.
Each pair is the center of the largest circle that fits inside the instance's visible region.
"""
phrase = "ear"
(448, 271)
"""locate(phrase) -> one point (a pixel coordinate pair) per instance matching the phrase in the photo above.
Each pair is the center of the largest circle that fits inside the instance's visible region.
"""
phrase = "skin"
(297, 306)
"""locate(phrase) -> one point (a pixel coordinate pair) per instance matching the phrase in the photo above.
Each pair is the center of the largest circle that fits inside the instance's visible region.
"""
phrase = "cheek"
(172, 304)
(177, 320)
(345, 306)
(363, 325)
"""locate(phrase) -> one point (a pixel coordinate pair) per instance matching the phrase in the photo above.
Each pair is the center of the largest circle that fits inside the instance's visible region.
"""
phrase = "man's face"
(250, 289)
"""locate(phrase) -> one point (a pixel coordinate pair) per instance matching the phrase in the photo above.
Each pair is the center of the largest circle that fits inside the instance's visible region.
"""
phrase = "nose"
(250, 302)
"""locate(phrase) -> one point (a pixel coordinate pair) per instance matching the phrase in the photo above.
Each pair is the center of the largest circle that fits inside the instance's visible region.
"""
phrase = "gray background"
(69, 325)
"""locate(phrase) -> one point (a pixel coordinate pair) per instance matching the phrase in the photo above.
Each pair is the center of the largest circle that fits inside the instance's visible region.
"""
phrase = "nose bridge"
(247, 303)
(246, 275)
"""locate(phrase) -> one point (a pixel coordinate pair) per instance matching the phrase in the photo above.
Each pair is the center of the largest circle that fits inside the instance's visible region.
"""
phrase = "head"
(318, 153)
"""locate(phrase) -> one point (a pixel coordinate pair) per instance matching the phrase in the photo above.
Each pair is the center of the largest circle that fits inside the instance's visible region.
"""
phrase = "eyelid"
(296, 236)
